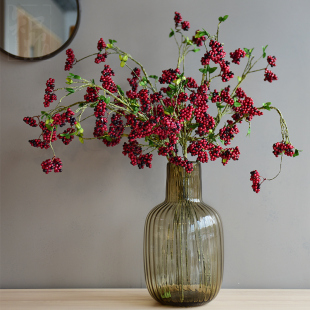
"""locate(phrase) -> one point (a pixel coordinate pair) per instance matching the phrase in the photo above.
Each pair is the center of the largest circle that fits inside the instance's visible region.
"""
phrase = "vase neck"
(181, 185)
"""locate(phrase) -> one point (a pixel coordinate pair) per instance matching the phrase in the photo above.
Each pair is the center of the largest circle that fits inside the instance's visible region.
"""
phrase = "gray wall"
(84, 227)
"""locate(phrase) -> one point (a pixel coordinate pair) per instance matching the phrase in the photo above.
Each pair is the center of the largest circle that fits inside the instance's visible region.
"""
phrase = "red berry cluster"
(101, 57)
(30, 121)
(270, 76)
(177, 18)
(100, 109)
(70, 59)
(227, 133)
(246, 109)
(101, 45)
(168, 76)
(272, 60)
(191, 83)
(48, 136)
(133, 82)
(116, 128)
(145, 101)
(101, 127)
(230, 153)
(216, 54)
(106, 79)
(52, 164)
(185, 163)
(92, 94)
(283, 148)
(68, 138)
(198, 41)
(236, 55)
(134, 152)
(49, 96)
(39, 143)
(186, 113)
(255, 178)
(185, 25)
(199, 148)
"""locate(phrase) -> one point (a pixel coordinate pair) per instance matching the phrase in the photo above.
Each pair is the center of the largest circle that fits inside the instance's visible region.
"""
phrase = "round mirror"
(37, 29)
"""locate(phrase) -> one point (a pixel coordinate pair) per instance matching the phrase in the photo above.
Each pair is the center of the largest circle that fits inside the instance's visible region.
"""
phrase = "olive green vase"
(183, 243)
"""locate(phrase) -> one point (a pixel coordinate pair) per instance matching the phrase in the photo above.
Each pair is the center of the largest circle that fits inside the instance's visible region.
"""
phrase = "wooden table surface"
(136, 299)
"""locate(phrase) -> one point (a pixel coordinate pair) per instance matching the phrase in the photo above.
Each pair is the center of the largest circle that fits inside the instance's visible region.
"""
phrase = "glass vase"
(183, 243)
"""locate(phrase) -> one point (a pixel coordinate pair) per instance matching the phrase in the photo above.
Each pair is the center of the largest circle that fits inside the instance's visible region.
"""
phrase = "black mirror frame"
(66, 44)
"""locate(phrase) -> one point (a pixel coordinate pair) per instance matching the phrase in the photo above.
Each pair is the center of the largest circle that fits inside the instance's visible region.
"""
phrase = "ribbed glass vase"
(183, 243)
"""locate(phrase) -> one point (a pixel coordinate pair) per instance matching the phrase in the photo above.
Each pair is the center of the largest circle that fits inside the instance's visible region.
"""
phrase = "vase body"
(183, 243)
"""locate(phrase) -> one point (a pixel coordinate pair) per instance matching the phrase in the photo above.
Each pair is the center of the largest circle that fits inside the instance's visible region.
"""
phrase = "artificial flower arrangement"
(166, 114)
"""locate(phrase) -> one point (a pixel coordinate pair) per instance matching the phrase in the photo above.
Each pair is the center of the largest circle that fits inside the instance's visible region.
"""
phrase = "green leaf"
(93, 81)
(173, 87)
(193, 126)
(211, 137)
(135, 109)
(218, 104)
(169, 110)
(171, 34)
(264, 48)
(222, 19)
(93, 105)
(195, 50)
(70, 90)
(142, 83)
(297, 152)
(239, 78)
(107, 100)
(108, 138)
(169, 94)
(200, 34)
(154, 77)
(123, 63)
(78, 125)
(112, 41)
(49, 127)
(77, 77)
(249, 130)
(101, 98)
(264, 54)
(211, 70)
(120, 90)
(203, 70)
(237, 104)
(222, 141)
(151, 142)
(81, 139)
(69, 81)
(224, 160)
(267, 106)
(71, 74)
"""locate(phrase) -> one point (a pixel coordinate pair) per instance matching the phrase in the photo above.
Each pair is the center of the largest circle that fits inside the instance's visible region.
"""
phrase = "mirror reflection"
(36, 28)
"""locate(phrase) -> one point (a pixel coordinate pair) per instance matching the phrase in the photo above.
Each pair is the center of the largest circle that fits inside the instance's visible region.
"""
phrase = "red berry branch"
(166, 114)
